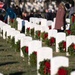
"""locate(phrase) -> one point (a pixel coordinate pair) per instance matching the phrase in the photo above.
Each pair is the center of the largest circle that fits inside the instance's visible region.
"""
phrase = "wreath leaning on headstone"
(44, 68)
(33, 59)
(63, 71)
(62, 46)
(71, 49)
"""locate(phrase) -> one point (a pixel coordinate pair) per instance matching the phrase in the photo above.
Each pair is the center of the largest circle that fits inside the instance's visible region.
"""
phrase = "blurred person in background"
(60, 17)
(48, 15)
(72, 9)
(18, 12)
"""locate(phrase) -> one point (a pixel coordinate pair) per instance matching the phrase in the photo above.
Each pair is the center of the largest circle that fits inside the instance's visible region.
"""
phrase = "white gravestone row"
(42, 52)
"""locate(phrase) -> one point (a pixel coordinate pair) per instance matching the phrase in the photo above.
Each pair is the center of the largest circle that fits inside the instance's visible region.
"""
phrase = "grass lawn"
(11, 63)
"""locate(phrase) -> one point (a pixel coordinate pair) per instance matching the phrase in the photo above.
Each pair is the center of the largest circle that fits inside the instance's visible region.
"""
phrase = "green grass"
(11, 63)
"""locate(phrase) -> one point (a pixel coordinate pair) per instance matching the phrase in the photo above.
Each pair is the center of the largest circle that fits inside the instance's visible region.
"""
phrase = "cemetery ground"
(12, 64)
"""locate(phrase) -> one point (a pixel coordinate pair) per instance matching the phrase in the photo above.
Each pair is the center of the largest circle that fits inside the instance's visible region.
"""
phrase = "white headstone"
(52, 33)
(57, 62)
(19, 36)
(67, 26)
(29, 25)
(19, 26)
(49, 23)
(69, 40)
(1, 74)
(34, 45)
(9, 31)
(68, 20)
(45, 28)
(43, 53)
(14, 33)
(38, 27)
(44, 22)
(60, 37)
(31, 19)
(72, 73)
(5, 29)
(24, 42)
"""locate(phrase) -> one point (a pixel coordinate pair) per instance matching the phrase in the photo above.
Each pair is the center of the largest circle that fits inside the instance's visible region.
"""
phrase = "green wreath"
(37, 34)
(71, 49)
(44, 68)
(64, 71)
(62, 46)
(17, 46)
(33, 59)
(25, 51)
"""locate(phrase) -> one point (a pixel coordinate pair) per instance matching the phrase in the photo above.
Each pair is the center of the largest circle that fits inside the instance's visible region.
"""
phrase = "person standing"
(72, 10)
(48, 14)
(60, 17)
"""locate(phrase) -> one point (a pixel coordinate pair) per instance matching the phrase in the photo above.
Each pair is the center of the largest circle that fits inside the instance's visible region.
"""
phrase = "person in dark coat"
(48, 15)
(60, 17)
(10, 13)
(31, 14)
(17, 10)
(67, 5)
(38, 14)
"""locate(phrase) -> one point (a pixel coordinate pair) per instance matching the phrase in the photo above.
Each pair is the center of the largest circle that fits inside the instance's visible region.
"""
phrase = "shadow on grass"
(8, 55)
(1, 45)
(73, 69)
(1, 49)
(7, 63)
(17, 73)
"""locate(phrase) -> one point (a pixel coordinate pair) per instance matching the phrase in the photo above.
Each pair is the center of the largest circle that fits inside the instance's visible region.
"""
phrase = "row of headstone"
(43, 51)
(58, 36)
(51, 32)
(36, 45)
(35, 22)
